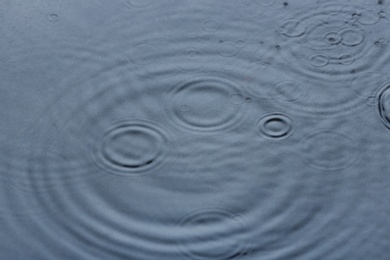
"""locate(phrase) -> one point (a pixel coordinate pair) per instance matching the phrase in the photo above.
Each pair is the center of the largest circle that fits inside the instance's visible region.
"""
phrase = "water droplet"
(380, 41)
(275, 126)
(332, 38)
(53, 17)
(356, 16)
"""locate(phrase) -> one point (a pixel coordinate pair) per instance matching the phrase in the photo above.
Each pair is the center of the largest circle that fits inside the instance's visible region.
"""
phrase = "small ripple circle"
(275, 126)
(383, 104)
(131, 147)
(213, 233)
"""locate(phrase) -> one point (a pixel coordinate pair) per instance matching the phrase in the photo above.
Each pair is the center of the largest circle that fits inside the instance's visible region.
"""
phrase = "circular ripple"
(213, 233)
(237, 99)
(328, 150)
(193, 54)
(292, 28)
(332, 43)
(333, 37)
(130, 147)
(52, 17)
(288, 91)
(228, 49)
(142, 54)
(210, 25)
(140, 3)
(383, 104)
(210, 104)
(275, 126)
(319, 60)
(367, 17)
(365, 85)
(352, 37)
(265, 3)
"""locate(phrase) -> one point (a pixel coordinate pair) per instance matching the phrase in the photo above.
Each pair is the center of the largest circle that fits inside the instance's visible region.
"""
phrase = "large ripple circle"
(205, 104)
(326, 149)
(213, 233)
(130, 147)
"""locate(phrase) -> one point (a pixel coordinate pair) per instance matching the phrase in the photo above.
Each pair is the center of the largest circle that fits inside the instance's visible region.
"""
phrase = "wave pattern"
(195, 130)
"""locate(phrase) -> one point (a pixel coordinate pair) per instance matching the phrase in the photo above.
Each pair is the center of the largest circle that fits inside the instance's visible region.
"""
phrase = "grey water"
(181, 129)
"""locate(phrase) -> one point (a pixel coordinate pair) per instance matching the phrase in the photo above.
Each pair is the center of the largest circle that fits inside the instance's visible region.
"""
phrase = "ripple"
(237, 99)
(228, 49)
(275, 126)
(319, 60)
(292, 28)
(208, 102)
(365, 85)
(42, 79)
(265, 3)
(310, 215)
(288, 91)
(328, 150)
(213, 233)
(383, 98)
(368, 17)
(52, 17)
(333, 37)
(334, 41)
(193, 54)
(211, 25)
(140, 3)
(131, 147)
(380, 41)
(31, 170)
(352, 37)
(334, 48)
(131, 105)
(142, 54)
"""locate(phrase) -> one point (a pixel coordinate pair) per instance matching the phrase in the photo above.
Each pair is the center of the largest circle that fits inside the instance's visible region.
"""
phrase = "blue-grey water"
(183, 129)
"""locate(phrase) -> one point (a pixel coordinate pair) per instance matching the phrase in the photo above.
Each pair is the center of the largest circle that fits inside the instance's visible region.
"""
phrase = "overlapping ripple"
(198, 130)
